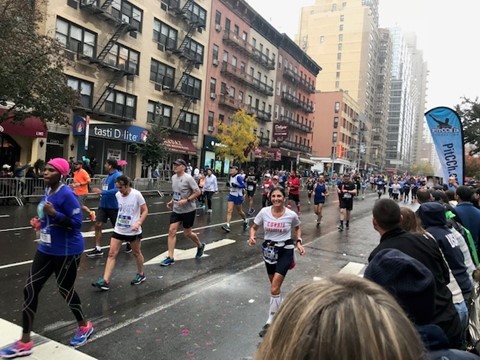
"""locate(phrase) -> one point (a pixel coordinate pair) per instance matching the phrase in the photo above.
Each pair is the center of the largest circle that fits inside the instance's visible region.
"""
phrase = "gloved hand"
(234, 185)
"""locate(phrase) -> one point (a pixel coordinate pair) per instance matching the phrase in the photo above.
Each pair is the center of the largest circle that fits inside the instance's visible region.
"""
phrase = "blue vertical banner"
(447, 134)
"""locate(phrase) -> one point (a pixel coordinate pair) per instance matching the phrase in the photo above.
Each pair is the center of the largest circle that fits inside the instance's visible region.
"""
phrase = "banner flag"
(447, 134)
(87, 131)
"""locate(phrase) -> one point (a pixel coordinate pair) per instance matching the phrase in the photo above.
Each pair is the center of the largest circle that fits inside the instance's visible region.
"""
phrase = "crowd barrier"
(33, 189)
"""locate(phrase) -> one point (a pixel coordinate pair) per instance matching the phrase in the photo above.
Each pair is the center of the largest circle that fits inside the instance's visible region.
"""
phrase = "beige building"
(343, 37)
(135, 63)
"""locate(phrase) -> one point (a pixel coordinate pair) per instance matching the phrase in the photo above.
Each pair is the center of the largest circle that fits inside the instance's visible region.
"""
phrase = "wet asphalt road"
(210, 308)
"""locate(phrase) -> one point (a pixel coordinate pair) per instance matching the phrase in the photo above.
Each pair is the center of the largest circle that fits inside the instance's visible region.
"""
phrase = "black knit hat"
(409, 281)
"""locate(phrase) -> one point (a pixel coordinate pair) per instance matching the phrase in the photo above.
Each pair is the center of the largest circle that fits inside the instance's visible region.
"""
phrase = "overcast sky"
(448, 33)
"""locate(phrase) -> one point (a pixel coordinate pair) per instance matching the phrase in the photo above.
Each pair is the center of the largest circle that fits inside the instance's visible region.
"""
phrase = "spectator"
(386, 221)
(342, 317)
(413, 286)
(468, 215)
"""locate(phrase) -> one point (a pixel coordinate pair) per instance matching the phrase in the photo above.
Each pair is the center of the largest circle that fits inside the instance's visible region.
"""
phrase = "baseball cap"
(275, 177)
(180, 162)
(78, 162)
(267, 175)
(234, 167)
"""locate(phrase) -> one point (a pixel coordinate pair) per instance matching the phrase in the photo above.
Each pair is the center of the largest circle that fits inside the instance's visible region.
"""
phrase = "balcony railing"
(292, 122)
(108, 13)
(246, 79)
(261, 114)
(237, 42)
(263, 141)
(230, 102)
(297, 103)
(294, 78)
(287, 144)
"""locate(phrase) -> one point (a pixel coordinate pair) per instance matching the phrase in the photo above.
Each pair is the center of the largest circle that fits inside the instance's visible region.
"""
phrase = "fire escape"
(190, 58)
(104, 12)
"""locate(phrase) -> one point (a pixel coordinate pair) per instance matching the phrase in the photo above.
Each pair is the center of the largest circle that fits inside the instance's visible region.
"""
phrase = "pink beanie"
(61, 165)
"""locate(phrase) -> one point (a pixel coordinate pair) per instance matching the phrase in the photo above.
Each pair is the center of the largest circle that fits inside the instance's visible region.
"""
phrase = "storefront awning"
(273, 154)
(180, 144)
(306, 161)
(31, 126)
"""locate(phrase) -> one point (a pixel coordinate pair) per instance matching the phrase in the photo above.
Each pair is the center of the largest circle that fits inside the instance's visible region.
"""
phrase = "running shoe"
(128, 248)
(138, 279)
(17, 349)
(245, 224)
(340, 227)
(92, 215)
(82, 335)
(102, 284)
(94, 253)
(200, 250)
(167, 261)
(226, 228)
(347, 226)
(264, 330)
(209, 211)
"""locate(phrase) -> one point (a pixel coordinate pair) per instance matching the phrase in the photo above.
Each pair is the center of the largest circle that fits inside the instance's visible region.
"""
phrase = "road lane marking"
(351, 268)
(189, 253)
(4, 216)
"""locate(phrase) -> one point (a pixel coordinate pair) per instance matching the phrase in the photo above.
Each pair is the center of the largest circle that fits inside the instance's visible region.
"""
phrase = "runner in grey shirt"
(185, 191)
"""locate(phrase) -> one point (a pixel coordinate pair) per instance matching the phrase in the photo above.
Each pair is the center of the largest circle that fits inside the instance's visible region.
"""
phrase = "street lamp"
(334, 154)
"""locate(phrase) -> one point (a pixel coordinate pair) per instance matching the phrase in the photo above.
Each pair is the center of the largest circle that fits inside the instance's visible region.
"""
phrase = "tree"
(472, 166)
(32, 81)
(469, 112)
(237, 139)
(422, 168)
(154, 150)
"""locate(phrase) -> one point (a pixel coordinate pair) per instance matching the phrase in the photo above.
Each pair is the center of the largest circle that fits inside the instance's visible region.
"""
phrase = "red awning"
(31, 126)
(180, 144)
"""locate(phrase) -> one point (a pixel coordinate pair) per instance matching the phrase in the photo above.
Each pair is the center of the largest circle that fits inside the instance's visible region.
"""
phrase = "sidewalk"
(43, 348)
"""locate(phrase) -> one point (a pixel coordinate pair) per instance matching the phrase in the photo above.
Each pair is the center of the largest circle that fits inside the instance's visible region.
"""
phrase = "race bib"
(347, 196)
(124, 221)
(105, 187)
(250, 187)
(270, 254)
(176, 196)
(45, 237)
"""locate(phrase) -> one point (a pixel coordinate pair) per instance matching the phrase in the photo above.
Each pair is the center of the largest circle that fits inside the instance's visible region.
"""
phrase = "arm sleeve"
(241, 183)
(215, 185)
(68, 215)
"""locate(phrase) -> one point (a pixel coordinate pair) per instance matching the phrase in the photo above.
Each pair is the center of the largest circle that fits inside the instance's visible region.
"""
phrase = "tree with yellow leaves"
(237, 137)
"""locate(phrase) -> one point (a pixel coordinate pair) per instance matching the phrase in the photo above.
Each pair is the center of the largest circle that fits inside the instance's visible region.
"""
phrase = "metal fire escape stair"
(109, 86)
(119, 31)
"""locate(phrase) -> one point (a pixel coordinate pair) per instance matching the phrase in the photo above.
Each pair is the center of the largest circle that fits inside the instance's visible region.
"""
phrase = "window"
(215, 52)
(335, 122)
(85, 88)
(340, 37)
(337, 84)
(128, 13)
(165, 35)
(194, 50)
(225, 56)
(254, 42)
(218, 17)
(211, 118)
(280, 60)
(236, 30)
(158, 113)
(213, 86)
(249, 100)
(242, 66)
(234, 61)
(161, 73)
(339, 66)
(322, 39)
(223, 88)
(339, 47)
(337, 107)
(123, 58)
(244, 37)
(276, 111)
(231, 93)
(121, 104)
(189, 122)
(342, 18)
(337, 75)
(196, 14)
(227, 25)
(340, 28)
(76, 38)
(334, 137)
(192, 86)
(339, 56)
(240, 97)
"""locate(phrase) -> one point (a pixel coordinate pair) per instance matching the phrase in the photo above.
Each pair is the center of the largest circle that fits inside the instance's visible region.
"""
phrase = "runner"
(60, 249)
(132, 213)
(321, 192)
(210, 187)
(81, 180)
(278, 248)
(294, 190)
(235, 198)
(252, 181)
(380, 186)
(266, 187)
(346, 191)
(309, 185)
(108, 208)
(185, 191)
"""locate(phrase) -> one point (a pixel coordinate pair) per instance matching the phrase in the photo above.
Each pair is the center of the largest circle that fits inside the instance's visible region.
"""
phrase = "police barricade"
(9, 189)
(149, 185)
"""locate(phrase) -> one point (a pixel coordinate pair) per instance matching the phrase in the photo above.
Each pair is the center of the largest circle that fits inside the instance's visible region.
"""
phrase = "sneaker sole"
(138, 283)
(17, 354)
(85, 341)
(225, 229)
(162, 264)
(94, 255)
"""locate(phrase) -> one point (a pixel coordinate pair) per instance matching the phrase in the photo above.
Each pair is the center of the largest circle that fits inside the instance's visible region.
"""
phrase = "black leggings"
(44, 265)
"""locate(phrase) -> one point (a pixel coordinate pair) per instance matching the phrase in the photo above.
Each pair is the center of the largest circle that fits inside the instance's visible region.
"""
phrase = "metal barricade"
(9, 189)
(148, 185)
(32, 188)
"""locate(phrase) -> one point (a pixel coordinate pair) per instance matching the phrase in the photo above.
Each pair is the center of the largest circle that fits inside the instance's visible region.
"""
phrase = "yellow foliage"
(237, 137)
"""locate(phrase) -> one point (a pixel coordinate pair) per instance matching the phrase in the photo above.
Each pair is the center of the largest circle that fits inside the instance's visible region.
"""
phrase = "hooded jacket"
(432, 215)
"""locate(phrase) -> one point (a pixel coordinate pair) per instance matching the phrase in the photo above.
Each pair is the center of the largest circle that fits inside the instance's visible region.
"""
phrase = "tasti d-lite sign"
(280, 132)
(126, 133)
(447, 134)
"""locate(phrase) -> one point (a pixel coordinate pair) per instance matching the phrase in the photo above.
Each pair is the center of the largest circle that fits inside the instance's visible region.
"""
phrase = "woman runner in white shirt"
(278, 247)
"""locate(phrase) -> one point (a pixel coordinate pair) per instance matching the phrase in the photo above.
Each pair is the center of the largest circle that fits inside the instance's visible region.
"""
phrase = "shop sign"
(126, 133)
(280, 132)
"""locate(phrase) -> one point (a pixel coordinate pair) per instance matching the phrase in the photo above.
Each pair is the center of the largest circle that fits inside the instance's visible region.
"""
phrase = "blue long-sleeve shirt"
(61, 234)
(109, 189)
(469, 216)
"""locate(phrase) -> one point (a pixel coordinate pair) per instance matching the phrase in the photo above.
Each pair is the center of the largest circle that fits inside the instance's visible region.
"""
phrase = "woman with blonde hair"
(341, 317)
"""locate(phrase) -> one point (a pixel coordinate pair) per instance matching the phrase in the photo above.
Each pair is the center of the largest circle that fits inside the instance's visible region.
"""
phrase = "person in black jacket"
(386, 221)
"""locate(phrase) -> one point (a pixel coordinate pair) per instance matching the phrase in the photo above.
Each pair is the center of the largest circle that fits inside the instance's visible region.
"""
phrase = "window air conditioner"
(213, 96)
(215, 62)
(218, 28)
(210, 128)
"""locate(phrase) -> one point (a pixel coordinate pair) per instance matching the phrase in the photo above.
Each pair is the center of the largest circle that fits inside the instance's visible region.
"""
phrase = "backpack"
(452, 223)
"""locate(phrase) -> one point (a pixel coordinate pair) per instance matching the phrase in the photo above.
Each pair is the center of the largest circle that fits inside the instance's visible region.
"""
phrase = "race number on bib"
(124, 221)
(45, 237)
(270, 254)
